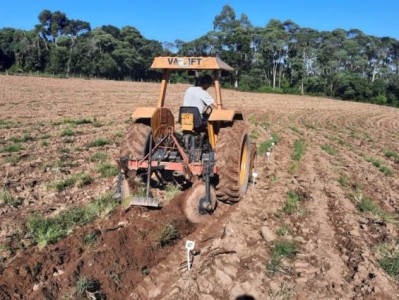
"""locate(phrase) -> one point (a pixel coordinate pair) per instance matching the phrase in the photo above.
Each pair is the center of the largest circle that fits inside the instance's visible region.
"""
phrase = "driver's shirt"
(198, 97)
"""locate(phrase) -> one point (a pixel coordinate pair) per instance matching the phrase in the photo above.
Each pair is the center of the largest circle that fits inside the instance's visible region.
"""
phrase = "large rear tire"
(136, 142)
(135, 145)
(233, 162)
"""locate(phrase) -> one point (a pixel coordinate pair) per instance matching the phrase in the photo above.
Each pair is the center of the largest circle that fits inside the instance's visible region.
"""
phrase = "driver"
(198, 96)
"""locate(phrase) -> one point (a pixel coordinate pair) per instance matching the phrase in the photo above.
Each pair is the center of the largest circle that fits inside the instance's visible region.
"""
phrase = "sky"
(166, 21)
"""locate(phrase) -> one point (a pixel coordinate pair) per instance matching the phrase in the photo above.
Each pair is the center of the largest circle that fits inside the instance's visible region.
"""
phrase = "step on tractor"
(209, 152)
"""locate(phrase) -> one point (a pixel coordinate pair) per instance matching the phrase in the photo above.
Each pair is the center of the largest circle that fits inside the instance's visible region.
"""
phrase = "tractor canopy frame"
(167, 64)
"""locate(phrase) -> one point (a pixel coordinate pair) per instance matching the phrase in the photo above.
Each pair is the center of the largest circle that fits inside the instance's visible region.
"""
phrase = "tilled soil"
(343, 164)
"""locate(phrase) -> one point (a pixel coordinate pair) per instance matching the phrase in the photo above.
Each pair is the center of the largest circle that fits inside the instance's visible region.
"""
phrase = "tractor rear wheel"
(136, 142)
(135, 145)
(233, 162)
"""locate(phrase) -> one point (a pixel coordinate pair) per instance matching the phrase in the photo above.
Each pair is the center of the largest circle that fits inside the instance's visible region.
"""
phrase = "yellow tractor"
(211, 153)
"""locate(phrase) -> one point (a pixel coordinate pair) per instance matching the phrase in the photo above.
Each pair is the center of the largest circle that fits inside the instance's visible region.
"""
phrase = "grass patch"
(291, 205)
(13, 160)
(99, 157)
(45, 136)
(281, 250)
(295, 129)
(343, 180)
(378, 164)
(254, 135)
(388, 257)
(107, 170)
(76, 179)
(51, 230)
(67, 132)
(391, 154)
(91, 237)
(171, 191)
(23, 139)
(299, 150)
(364, 204)
(6, 124)
(85, 288)
(264, 147)
(167, 235)
(12, 148)
(276, 138)
(329, 149)
(98, 143)
(8, 199)
(73, 122)
(284, 230)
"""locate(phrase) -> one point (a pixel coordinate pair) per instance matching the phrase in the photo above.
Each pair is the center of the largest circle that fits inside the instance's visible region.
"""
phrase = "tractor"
(209, 151)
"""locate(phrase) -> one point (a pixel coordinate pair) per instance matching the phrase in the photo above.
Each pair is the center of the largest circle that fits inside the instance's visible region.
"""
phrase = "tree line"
(281, 57)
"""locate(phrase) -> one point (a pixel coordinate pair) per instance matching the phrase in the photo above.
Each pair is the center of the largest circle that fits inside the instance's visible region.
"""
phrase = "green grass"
(254, 134)
(264, 147)
(391, 154)
(99, 142)
(76, 179)
(167, 235)
(364, 204)
(8, 199)
(99, 157)
(12, 148)
(378, 164)
(67, 132)
(291, 204)
(91, 237)
(171, 191)
(284, 230)
(281, 250)
(252, 119)
(50, 230)
(329, 149)
(276, 138)
(107, 170)
(299, 149)
(6, 124)
(343, 180)
(13, 160)
(85, 286)
(73, 122)
(388, 254)
(23, 139)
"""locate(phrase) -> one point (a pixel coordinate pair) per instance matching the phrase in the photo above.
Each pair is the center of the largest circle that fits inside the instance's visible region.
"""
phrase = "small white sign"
(254, 175)
(190, 245)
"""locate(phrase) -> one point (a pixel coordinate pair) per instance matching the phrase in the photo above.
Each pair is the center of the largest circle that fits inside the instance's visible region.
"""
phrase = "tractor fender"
(143, 113)
(160, 119)
(225, 115)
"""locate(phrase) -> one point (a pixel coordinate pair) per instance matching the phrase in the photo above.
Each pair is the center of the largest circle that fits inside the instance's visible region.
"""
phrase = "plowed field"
(321, 221)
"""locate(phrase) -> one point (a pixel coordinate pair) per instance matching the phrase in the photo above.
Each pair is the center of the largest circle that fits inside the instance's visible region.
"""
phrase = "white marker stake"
(189, 246)
(268, 155)
(254, 175)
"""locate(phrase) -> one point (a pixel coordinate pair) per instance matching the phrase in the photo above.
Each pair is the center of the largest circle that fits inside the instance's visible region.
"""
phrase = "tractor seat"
(190, 118)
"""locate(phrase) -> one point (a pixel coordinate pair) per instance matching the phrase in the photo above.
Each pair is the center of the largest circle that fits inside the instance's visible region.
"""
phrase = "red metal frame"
(188, 169)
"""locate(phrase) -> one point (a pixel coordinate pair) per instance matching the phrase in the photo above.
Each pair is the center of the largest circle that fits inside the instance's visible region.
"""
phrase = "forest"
(281, 57)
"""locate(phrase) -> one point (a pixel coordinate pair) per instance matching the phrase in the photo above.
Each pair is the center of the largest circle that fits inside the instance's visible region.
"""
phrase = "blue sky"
(165, 20)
